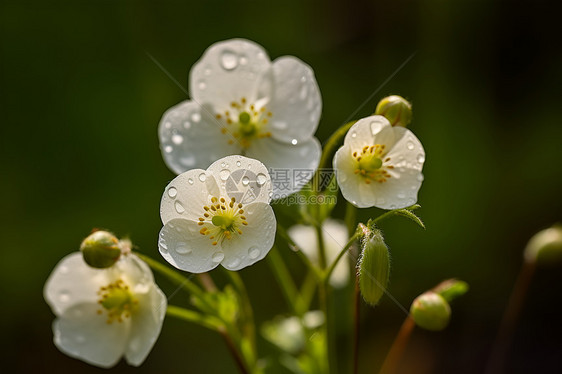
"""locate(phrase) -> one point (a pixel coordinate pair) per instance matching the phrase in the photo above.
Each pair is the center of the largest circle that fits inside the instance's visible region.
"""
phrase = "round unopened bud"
(431, 311)
(396, 109)
(101, 249)
(545, 247)
(374, 267)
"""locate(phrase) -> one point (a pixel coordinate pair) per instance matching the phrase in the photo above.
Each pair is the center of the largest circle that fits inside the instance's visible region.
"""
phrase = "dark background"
(81, 101)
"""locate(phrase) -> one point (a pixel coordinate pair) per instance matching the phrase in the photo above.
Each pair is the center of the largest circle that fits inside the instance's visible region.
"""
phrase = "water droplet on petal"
(172, 192)
(375, 127)
(303, 79)
(186, 125)
(254, 252)
(421, 158)
(64, 296)
(261, 179)
(401, 196)
(182, 248)
(190, 181)
(245, 181)
(229, 60)
(64, 269)
(420, 177)
(294, 142)
(218, 257)
(207, 71)
(224, 174)
(354, 134)
(168, 125)
(168, 149)
(202, 177)
(235, 262)
(304, 92)
(238, 163)
(410, 145)
(177, 139)
(179, 208)
(243, 60)
(202, 85)
(196, 117)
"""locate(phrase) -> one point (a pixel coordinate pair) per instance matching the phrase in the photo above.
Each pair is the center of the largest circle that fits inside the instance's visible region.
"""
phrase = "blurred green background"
(81, 101)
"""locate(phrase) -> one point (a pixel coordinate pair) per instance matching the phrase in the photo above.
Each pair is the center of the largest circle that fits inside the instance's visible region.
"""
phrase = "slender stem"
(321, 247)
(329, 150)
(356, 317)
(172, 275)
(308, 289)
(207, 282)
(234, 352)
(284, 279)
(283, 233)
(350, 218)
(343, 251)
(400, 342)
(194, 317)
(249, 329)
(329, 331)
(501, 345)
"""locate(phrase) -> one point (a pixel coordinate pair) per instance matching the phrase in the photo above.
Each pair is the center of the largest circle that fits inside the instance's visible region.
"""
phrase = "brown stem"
(207, 282)
(501, 345)
(234, 352)
(400, 342)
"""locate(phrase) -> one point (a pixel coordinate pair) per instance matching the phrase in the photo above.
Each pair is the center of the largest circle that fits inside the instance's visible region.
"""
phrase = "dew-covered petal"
(73, 282)
(187, 194)
(183, 246)
(295, 104)
(134, 272)
(245, 179)
(191, 137)
(82, 333)
(228, 71)
(351, 185)
(256, 240)
(291, 166)
(370, 131)
(146, 325)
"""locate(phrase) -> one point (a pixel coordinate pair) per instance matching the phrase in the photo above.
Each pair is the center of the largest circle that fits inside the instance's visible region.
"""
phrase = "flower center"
(372, 165)
(117, 300)
(222, 219)
(245, 122)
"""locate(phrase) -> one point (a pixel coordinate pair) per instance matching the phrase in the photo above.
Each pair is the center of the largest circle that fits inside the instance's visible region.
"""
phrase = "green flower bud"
(374, 267)
(431, 311)
(545, 247)
(450, 289)
(396, 109)
(101, 249)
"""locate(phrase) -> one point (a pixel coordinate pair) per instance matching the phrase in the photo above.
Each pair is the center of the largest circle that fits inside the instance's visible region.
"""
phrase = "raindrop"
(190, 181)
(410, 145)
(254, 252)
(202, 85)
(420, 177)
(421, 158)
(401, 196)
(303, 79)
(202, 177)
(179, 208)
(64, 269)
(224, 174)
(235, 262)
(168, 125)
(168, 149)
(304, 92)
(238, 163)
(186, 125)
(229, 60)
(353, 134)
(261, 179)
(243, 60)
(64, 296)
(196, 117)
(375, 127)
(177, 139)
(182, 248)
(172, 192)
(207, 71)
(294, 142)
(218, 257)
(223, 165)
(163, 245)
(245, 181)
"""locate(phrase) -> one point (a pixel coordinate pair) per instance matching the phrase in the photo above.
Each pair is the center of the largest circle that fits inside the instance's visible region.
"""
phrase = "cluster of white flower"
(247, 115)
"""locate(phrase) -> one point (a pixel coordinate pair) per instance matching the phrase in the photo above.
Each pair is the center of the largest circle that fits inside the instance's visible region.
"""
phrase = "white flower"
(242, 103)
(104, 314)
(379, 165)
(335, 236)
(221, 215)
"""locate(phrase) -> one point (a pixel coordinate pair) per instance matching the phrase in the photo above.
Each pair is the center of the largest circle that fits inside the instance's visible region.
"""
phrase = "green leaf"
(411, 215)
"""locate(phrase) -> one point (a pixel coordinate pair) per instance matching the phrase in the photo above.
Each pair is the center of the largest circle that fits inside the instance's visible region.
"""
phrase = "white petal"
(185, 248)
(256, 240)
(370, 131)
(352, 186)
(245, 179)
(296, 104)
(73, 282)
(81, 333)
(134, 272)
(191, 137)
(146, 326)
(228, 71)
(187, 194)
(291, 166)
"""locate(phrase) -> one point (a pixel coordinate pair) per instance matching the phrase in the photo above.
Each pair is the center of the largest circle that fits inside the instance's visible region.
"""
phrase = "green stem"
(332, 144)
(328, 327)
(308, 289)
(194, 317)
(350, 218)
(321, 247)
(249, 329)
(284, 279)
(172, 275)
(330, 270)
